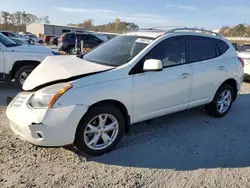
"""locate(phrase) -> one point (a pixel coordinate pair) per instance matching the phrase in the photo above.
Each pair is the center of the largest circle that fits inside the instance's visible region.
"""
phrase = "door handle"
(221, 68)
(185, 75)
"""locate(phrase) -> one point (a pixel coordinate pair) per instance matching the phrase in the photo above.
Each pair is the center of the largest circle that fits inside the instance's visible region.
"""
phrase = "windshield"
(6, 41)
(117, 51)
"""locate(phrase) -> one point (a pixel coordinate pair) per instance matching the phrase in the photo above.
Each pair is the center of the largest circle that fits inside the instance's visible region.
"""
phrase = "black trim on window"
(217, 50)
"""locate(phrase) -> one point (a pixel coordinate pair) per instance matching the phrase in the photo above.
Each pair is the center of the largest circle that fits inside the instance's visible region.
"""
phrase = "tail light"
(242, 61)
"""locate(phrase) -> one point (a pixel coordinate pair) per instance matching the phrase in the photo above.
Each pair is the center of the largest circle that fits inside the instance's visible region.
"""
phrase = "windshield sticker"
(145, 41)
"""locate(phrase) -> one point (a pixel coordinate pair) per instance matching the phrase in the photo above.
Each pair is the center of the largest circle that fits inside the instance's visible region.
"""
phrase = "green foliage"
(240, 30)
(117, 26)
(17, 21)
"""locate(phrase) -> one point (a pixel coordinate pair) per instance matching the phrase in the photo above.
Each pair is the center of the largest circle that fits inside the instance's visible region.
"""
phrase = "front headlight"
(46, 97)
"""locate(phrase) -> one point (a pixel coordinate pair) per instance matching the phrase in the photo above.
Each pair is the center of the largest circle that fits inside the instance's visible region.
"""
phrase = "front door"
(166, 91)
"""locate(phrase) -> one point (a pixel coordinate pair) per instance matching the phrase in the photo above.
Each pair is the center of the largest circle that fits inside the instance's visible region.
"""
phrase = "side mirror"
(152, 65)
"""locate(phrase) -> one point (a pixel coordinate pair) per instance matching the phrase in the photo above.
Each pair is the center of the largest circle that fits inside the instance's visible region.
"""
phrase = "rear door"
(209, 69)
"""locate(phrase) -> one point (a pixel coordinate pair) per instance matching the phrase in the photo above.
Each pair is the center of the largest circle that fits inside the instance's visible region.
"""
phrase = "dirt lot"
(187, 149)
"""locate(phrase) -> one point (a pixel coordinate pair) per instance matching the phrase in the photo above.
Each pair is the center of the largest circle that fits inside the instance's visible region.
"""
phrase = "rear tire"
(222, 101)
(91, 123)
(22, 74)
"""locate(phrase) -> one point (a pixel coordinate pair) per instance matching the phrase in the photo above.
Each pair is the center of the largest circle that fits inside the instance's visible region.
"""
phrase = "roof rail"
(193, 30)
(150, 29)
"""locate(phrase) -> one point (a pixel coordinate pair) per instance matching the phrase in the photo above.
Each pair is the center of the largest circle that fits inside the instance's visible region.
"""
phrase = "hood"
(30, 48)
(61, 68)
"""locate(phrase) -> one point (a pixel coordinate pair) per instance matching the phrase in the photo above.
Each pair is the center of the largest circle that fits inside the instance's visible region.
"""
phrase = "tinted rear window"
(201, 48)
(221, 45)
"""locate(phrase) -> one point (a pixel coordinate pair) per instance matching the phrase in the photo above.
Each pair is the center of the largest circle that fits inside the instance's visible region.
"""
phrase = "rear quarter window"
(221, 45)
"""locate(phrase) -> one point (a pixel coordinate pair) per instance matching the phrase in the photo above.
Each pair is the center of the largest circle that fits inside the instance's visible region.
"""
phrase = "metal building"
(48, 29)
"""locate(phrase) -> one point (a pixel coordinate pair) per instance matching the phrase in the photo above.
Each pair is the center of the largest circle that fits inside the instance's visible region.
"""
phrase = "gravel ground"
(187, 149)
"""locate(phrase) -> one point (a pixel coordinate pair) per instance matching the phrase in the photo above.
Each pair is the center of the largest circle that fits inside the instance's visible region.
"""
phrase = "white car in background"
(244, 53)
(20, 41)
(17, 61)
(14, 35)
(34, 38)
(31, 41)
(134, 77)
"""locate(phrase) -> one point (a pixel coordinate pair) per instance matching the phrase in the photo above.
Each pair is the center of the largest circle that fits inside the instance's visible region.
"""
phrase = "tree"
(117, 26)
(46, 20)
(18, 20)
(88, 24)
(240, 30)
(225, 30)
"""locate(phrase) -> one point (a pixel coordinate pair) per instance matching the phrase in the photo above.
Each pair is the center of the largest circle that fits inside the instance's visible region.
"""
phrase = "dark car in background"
(67, 41)
(244, 48)
(54, 40)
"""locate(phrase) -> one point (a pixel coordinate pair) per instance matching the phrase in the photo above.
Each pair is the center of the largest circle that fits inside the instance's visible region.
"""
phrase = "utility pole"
(20, 22)
(75, 41)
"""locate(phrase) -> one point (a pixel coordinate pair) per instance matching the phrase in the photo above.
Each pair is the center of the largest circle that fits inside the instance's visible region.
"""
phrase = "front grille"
(18, 101)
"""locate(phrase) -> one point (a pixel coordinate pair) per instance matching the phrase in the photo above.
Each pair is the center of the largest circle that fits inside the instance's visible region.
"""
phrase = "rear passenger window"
(221, 45)
(201, 48)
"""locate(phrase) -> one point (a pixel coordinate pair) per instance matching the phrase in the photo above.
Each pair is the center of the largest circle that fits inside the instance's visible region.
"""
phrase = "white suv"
(17, 61)
(91, 102)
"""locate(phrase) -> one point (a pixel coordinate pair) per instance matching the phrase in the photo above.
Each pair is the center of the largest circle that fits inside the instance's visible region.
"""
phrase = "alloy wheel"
(224, 101)
(101, 131)
(23, 76)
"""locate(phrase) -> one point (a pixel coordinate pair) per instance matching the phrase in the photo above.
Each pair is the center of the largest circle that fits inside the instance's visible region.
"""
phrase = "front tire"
(100, 130)
(222, 102)
(23, 73)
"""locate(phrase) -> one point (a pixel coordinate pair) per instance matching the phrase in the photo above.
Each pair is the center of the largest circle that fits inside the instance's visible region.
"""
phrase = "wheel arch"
(232, 82)
(118, 105)
(18, 64)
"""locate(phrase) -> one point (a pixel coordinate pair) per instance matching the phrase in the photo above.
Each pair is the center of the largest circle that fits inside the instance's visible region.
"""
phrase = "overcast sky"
(210, 14)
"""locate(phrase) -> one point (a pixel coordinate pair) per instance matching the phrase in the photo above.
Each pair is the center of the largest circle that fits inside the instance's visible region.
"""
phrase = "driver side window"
(171, 51)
